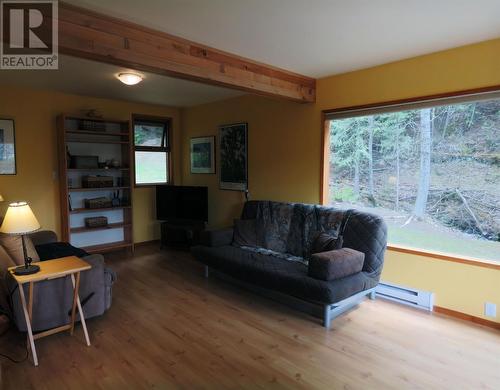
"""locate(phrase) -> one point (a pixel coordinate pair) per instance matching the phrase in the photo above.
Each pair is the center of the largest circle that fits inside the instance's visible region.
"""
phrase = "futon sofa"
(52, 299)
(287, 234)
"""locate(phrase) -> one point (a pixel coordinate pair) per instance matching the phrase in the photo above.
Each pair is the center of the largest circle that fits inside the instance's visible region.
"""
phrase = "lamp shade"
(1, 198)
(19, 219)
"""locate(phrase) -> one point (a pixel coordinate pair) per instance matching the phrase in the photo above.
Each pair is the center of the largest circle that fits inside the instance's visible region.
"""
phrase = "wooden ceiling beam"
(90, 35)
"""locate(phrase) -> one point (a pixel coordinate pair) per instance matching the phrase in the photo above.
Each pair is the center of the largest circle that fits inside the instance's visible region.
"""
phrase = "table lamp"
(20, 220)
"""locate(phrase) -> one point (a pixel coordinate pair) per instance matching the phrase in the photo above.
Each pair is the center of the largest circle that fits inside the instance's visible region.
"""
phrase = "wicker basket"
(91, 125)
(95, 222)
(97, 181)
(97, 203)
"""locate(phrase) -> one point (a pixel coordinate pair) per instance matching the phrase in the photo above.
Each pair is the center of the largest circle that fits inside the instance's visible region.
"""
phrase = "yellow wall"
(35, 115)
(285, 150)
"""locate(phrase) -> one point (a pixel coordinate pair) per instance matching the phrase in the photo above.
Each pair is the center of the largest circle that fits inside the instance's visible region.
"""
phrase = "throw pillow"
(245, 233)
(335, 264)
(14, 247)
(325, 242)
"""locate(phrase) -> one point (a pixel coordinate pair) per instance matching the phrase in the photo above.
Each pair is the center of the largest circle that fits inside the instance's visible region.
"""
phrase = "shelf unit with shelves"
(108, 140)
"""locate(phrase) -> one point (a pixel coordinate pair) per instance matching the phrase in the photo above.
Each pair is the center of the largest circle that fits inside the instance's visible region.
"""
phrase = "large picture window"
(432, 170)
(152, 151)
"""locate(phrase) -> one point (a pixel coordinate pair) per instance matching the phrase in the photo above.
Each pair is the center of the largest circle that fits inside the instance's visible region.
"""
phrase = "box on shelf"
(97, 203)
(84, 162)
(95, 222)
(97, 181)
(92, 125)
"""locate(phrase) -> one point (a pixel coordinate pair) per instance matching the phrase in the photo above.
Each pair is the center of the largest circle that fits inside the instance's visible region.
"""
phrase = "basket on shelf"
(97, 181)
(97, 203)
(92, 125)
(95, 222)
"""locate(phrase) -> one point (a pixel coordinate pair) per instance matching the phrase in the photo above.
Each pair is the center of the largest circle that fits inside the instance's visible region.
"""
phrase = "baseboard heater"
(405, 295)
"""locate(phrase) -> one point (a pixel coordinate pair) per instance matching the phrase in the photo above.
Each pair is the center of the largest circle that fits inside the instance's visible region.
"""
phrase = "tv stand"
(180, 233)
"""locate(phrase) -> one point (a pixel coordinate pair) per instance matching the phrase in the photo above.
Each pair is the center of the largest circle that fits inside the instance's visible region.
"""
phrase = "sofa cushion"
(292, 227)
(272, 254)
(217, 237)
(335, 264)
(326, 242)
(280, 275)
(14, 247)
(245, 233)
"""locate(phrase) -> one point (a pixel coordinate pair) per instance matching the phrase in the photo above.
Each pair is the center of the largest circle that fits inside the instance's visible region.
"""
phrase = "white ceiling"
(316, 37)
(83, 77)
(312, 37)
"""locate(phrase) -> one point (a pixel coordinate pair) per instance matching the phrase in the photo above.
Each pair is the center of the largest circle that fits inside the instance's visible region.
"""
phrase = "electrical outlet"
(490, 309)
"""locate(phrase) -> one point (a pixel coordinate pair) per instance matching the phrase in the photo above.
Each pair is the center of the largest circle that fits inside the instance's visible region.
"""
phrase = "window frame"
(392, 106)
(165, 148)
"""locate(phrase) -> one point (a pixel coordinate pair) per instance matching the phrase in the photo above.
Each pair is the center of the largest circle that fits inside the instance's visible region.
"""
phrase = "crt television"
(181, 203)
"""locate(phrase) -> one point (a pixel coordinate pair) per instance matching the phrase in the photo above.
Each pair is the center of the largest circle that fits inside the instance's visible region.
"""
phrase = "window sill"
(444, 256)
(151, 185)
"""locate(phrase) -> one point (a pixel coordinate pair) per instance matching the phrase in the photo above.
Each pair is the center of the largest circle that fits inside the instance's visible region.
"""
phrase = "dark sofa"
(287, 231)
(53, 298)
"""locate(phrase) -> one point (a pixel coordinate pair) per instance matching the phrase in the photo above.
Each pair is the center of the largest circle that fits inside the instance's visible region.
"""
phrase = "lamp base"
(23, 270)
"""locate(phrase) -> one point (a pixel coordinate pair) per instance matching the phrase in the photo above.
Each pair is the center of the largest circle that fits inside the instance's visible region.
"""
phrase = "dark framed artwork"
(233, 161)
(202, 150)
(7, 147)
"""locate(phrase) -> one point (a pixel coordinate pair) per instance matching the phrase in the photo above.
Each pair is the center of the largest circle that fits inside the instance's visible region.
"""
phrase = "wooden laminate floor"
(168, 327)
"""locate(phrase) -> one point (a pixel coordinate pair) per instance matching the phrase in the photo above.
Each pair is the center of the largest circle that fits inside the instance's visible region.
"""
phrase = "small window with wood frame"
(152, 150)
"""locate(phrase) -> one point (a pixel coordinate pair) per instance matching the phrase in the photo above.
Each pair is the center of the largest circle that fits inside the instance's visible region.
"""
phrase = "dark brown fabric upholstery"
(335, 264)
(291, 228)
(218, 237)
(288, 277)
(325, 242)
(245, 233)
(53, 298)
(43, 237)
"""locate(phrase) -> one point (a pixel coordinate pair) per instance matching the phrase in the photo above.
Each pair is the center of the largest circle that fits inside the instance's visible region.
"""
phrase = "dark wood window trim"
(166, 146)
(324, 178)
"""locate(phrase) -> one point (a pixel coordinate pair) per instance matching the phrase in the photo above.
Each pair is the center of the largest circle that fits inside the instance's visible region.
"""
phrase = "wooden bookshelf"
(97, 133)
(96, 169)
(94, 229)
(83, 189)
(85, 210)
(107, 139)
(82, 141)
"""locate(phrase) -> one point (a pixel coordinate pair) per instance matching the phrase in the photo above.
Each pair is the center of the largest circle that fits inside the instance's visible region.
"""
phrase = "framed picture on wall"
(7, 147)
(203, 154)
(233, 161)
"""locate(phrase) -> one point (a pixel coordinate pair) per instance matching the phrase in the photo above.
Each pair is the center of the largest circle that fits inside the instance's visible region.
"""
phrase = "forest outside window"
(151, 151)
(431, 170)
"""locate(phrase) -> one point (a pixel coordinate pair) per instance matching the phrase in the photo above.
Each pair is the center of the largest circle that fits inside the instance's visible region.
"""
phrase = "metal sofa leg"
(327, 316)
(372, 295)
(333, 310)
(206, 271)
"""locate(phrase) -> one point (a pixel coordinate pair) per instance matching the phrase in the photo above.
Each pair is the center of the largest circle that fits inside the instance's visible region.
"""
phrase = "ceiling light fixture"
(129, 78)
